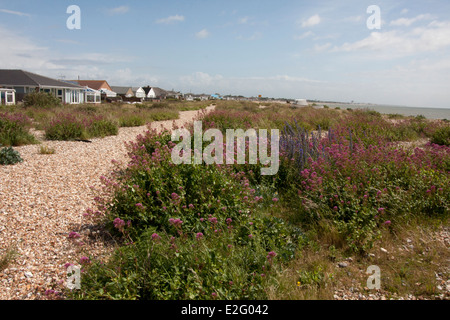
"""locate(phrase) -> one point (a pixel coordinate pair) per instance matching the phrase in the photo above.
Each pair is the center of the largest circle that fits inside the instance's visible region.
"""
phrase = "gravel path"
(43, 199)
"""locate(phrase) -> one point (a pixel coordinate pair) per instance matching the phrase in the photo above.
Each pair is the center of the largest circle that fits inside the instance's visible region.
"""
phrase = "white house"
(139, 92)
(125, 92)
(92, 96)
(24, 82)
(155, 93)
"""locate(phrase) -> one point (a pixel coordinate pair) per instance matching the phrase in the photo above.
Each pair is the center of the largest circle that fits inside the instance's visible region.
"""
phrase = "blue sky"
(292, 49)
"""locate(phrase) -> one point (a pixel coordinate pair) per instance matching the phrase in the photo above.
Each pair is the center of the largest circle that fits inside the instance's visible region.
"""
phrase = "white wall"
(140, 93)
(151, 94)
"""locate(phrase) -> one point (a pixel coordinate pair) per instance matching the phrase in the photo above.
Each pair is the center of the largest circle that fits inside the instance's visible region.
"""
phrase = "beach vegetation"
(208, 232)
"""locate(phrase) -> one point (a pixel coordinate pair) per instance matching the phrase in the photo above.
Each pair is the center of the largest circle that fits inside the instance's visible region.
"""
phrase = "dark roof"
(147, 89)
(24, 78)
(159, 92)
(121, 90)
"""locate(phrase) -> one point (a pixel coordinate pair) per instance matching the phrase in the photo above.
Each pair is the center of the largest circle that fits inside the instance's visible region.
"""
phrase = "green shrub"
(9, 156)
(14, 130)
(163, 114)
(153, 105)
(41, 100)
(441, 136)
(196, 232)
(65, 127)
(102, 128)
(420, 117)
(131, 120)
(395, 116)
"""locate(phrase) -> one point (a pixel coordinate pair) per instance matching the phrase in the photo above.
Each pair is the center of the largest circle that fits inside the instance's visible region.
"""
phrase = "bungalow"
(7, 96)
(155, 93)
(198, 97)
(202, 97)
(90, 95)
(24, 82)
(139, 92)
(173, 94)
(124, 92)
(99, 85)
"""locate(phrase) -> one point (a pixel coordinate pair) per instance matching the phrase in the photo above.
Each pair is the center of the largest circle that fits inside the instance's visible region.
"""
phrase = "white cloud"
(21, 52)
(404, 11)
(322, 48)
(312, 21)
(67, 41)
(200, 79)
(128, 77)
(283, 78)
(274, 86)
(119, 10)
(408, 22)
(17, 13)
(244, 20)
(420, 83)
(304, 35)
(431, 38)
(202, 34)
(171, 19)
(353, 19)
(255, 36)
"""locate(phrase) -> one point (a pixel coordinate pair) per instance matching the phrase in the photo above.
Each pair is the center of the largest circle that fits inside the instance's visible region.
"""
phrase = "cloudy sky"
(292, 49)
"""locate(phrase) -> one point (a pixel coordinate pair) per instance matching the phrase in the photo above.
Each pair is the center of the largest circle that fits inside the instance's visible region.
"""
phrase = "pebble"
(46, 196)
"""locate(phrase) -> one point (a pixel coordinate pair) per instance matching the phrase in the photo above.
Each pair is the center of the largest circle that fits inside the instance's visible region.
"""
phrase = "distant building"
(126, 92)
(24, 82)
(139, 92)
(155, 93)
(99, 85)
(174, 94)
(300, 103)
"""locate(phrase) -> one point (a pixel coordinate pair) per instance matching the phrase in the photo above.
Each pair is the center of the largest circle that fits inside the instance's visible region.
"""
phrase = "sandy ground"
(43, 199)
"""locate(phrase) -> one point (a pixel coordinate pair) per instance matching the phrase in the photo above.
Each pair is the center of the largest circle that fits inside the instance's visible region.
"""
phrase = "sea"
(429, 113)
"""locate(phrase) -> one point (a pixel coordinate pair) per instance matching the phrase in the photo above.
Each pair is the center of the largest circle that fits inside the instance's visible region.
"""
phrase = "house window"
(9, 97)
(74, 96)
